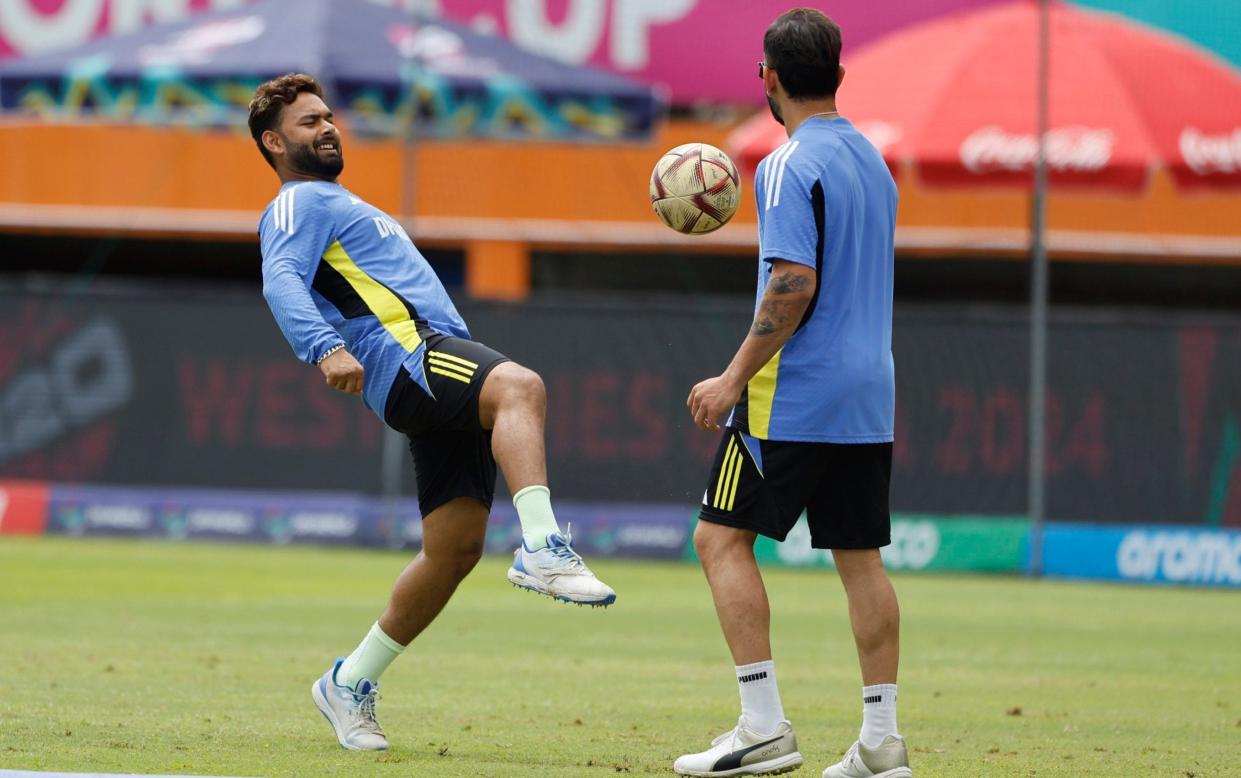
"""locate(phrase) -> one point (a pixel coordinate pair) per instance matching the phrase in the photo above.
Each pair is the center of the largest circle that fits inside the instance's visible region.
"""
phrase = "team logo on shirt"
(389, 227)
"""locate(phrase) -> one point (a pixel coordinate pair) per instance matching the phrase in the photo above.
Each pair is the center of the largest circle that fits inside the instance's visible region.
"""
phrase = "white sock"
(878, 713)
(534, 511)
(760, 697)
(369, 659)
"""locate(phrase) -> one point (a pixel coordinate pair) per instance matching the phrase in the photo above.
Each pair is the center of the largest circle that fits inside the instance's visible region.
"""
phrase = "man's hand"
(710, 400)
(343, 372)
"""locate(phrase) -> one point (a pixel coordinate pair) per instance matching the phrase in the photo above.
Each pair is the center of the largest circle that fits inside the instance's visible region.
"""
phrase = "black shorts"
(451, 450)
(763, 486)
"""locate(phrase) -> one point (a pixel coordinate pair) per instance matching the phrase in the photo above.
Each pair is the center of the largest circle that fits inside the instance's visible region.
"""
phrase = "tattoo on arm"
(762, 327)
(773, 316)
(788, 283)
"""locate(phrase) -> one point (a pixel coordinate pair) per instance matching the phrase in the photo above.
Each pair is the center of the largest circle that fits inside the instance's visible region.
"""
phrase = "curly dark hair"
(803, 47)
(271, 98)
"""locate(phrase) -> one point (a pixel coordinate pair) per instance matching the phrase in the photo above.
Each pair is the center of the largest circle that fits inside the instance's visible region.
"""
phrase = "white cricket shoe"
(742, 751)
(889, 760)
(351, 712)
(559, 572)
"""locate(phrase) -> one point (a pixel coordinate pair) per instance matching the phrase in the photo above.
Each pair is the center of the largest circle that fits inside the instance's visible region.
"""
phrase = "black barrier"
(176, 389)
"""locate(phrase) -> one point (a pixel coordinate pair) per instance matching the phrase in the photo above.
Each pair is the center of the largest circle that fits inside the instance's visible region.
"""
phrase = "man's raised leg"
(453, 536)
(513, 406)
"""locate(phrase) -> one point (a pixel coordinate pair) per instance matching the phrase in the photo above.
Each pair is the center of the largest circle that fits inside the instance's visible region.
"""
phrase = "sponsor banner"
(679, 44)
(23, 507)
(275, 517)
(633, 530)
(965, 543)
(1204, 557)
(921, 543)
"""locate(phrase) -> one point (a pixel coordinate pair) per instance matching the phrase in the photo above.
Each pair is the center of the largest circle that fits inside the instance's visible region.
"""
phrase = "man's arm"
(293, 233)
(313, 339)
(788, 294)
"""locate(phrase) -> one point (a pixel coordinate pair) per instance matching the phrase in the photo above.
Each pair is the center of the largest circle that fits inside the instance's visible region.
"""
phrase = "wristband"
(329, 353)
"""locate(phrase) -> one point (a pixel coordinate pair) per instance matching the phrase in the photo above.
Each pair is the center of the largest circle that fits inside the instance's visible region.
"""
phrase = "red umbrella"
(957, 97)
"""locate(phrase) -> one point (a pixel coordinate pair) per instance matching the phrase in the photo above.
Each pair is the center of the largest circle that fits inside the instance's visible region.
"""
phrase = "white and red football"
(695, 188)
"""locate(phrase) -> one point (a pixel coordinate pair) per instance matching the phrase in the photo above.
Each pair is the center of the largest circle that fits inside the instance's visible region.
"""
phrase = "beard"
(305, 158)
(775, 111)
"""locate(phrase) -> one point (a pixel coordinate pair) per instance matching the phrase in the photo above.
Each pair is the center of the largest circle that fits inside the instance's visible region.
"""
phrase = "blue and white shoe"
(351, 712)
(559, 572)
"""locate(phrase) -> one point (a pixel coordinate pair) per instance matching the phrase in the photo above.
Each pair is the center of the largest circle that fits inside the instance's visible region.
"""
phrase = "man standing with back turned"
(355, 297)
(812, 395)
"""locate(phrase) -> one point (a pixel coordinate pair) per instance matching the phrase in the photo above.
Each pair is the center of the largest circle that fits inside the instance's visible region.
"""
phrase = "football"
(695, 188)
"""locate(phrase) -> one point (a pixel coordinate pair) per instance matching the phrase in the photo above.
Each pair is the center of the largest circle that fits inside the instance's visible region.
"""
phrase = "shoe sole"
(783, 764)
(531, 584)
(326, 710)
(895, 772)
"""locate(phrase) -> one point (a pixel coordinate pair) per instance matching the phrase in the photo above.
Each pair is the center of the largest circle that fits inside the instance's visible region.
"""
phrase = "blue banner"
(634, 530)
(1204, 557)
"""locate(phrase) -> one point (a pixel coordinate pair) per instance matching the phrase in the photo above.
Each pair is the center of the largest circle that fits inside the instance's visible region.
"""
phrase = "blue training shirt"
(338, 270)
(826, 200)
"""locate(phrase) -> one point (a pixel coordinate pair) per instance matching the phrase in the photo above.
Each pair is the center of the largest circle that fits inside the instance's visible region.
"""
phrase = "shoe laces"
(852, 756)
(572, 560)
(364, 713)
(730, 735)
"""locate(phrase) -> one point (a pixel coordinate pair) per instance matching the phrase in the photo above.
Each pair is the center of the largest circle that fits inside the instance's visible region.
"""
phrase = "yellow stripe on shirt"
(381, 301)
(760, 395)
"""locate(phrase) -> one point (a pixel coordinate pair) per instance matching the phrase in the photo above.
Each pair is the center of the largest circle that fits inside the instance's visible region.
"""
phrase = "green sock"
(534, 511)
(369, 659)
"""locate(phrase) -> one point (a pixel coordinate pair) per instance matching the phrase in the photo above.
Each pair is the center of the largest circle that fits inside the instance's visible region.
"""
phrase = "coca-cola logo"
(1207, 154)
(1078, 149)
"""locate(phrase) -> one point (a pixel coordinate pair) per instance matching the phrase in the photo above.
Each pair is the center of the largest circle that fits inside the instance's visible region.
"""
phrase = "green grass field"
(187, 658)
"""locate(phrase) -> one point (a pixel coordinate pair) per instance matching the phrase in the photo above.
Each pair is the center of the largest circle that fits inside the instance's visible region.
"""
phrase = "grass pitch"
(188, 658)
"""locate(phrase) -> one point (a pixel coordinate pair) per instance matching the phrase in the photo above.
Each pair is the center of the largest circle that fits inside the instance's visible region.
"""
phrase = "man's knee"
(466, 556)
(458, 557)
(716, 542)
(859, 565)
(523, 386)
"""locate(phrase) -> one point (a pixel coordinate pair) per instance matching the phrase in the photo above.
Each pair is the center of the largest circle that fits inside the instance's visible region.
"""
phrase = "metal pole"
(1038, 306)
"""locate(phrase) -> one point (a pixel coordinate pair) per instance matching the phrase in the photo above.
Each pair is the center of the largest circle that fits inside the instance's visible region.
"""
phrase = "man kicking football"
(353, 296)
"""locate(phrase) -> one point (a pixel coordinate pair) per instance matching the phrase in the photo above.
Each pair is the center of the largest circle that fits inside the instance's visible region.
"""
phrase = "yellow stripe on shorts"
(450, 374)
(464, 371)
(732, 492)
(725, 468)
(453, 358)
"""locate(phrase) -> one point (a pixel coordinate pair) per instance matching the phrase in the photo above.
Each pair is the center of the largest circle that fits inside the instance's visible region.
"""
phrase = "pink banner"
(698, 49)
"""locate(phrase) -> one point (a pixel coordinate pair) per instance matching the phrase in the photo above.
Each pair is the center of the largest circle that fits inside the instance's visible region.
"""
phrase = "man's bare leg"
(763, 740)
(452, 543)
(873, 613)
(727, 557)
(875, 617)
(513, 406)
(453, 537)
